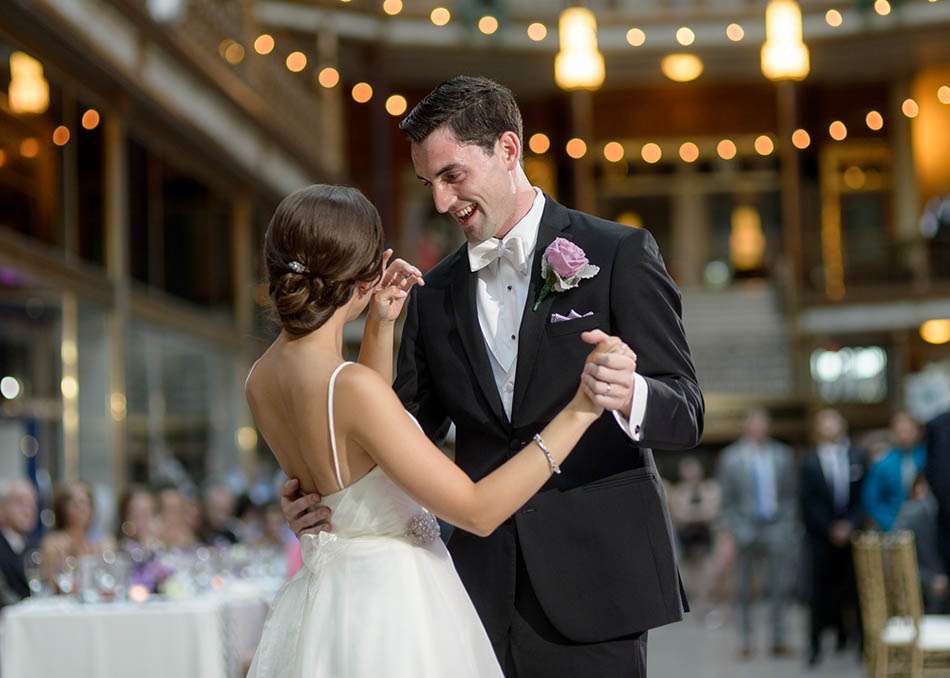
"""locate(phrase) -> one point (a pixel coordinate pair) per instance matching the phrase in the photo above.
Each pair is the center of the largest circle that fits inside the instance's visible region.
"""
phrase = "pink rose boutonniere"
(563, 266)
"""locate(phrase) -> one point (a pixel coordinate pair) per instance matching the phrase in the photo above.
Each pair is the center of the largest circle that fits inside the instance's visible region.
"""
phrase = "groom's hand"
(608, 378)
(303, 512)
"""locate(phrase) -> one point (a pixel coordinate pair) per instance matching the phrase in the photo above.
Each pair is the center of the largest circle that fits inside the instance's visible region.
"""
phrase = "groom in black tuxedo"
(571, 584)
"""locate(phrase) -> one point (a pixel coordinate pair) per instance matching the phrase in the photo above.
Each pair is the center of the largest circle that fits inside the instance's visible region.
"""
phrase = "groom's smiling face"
(474, 187)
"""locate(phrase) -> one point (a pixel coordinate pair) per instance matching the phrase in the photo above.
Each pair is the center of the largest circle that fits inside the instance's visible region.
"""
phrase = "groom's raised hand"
(303, 511)
(608, 377)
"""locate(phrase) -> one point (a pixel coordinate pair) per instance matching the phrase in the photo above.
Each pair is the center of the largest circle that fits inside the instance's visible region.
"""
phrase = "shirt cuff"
(632, 426)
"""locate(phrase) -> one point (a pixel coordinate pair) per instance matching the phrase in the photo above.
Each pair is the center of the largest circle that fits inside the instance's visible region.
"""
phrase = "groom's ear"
(509, 149)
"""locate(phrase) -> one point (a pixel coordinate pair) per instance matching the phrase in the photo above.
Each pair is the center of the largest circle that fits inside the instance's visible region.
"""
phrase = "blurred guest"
(249, 519)
(74, 510)
(18, 513)
(758, 496)
(175, 526)
(888, 482)
(138, 520)
(937, 471)
(694, 505)
(219, 525)
(275, 531)
(830, 494)
(919, 515)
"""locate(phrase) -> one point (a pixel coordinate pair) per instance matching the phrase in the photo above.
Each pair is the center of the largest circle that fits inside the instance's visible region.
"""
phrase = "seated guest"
(17, 520)
(919, 515)
(249, 519)
(219, 525)
(938, 477)
(888, 481)
(74, 509)
(175, 525)
(138, 521)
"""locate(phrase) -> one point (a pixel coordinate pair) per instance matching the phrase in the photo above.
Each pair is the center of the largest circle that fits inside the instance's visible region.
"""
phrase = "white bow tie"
(484, 253)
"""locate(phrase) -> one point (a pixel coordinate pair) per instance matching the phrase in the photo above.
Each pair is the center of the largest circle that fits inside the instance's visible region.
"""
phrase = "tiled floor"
(699, 648)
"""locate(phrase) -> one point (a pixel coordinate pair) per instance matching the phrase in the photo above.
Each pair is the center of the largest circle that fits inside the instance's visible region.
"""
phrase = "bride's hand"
(585, 400)
(390, 294)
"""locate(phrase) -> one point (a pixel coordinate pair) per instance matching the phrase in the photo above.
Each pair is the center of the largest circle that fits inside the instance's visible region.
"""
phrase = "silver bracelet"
(547, 453)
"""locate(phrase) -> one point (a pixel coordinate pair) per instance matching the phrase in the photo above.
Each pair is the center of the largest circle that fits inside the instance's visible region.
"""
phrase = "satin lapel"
(466, 317)
(554, 220)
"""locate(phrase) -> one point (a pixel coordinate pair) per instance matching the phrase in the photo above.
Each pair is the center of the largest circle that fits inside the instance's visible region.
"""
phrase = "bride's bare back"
(287, 392)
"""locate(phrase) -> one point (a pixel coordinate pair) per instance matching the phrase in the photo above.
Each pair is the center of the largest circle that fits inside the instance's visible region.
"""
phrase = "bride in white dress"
(377, 596)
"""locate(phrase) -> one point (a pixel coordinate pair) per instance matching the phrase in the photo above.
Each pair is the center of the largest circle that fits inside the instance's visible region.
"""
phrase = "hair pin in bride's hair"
(297, 267)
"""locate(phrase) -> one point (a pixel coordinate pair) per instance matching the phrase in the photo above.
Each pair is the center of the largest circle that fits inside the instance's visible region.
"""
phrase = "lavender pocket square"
(573, 315)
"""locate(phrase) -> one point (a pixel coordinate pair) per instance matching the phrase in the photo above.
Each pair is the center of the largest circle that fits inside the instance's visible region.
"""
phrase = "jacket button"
(514, 445)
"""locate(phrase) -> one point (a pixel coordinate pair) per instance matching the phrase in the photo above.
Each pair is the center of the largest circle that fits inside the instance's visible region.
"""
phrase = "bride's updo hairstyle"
(321, 242)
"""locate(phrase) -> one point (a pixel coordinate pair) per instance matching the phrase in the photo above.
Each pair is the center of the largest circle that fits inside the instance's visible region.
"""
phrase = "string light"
(392, 7)
(833, 18)
(874, 120)
(328, 77)
(296, 62)
(636, 37)
(735, 32)
(726, 149)
(539, 143)
(576, 148)
(685, 36)
(61, 135)
(537, 31)
(264, 44)
(362, 92)
(651, 153)
(763, 145)
(488, 24)
(396, 105)
(681, 67)
(943, 94)
(613, 151)
(837, 130)
(234, 53)
(882, 7)
(910, 108)
(689, 152)
(29, 147)
(440, 16)
(90, 119)
(801, 139)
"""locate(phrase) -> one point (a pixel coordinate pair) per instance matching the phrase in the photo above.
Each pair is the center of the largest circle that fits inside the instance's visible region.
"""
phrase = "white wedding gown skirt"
(370, 601)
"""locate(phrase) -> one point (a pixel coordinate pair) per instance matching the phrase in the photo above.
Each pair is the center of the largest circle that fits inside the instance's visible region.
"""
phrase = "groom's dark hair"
(476, 109)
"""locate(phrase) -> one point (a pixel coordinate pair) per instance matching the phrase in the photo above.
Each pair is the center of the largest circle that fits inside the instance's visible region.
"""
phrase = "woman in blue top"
(889, 479)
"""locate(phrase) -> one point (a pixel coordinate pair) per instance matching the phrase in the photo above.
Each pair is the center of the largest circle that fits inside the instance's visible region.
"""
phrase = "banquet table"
(209, 636)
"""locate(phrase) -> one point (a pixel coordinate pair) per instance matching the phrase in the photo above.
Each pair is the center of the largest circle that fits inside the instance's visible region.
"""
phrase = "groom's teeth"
(465, 213)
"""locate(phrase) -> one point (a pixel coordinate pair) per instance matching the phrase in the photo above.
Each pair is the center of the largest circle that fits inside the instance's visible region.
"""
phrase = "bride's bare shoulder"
(358, 383)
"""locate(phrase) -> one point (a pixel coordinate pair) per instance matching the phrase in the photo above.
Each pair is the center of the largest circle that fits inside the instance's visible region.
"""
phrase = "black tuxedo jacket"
(12, 569)
(817, 499)
(937, 470)
(596, 540)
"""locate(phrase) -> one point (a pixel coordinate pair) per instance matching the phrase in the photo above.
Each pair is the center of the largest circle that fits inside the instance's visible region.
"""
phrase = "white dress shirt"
(501, 296)
(837, 469)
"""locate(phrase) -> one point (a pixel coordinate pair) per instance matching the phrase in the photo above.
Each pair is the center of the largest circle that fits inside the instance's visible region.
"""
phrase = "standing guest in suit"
(572, 583)
(889, 478)
(18, 511)
(937, 470)
(919, 515)
(758, 491)
(830, 494)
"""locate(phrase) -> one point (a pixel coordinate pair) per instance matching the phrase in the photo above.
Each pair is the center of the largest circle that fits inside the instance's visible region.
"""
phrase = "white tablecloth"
(207, 637)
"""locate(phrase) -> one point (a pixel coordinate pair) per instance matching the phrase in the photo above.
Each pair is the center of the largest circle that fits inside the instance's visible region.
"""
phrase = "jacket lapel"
(554, 219)
(466, 318)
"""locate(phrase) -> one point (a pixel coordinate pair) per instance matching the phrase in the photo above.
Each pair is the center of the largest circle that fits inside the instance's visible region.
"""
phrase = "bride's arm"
(408, 457)
(376, 349)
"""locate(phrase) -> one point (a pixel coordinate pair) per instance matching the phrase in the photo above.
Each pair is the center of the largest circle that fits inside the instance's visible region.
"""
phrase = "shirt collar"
(526, 228)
